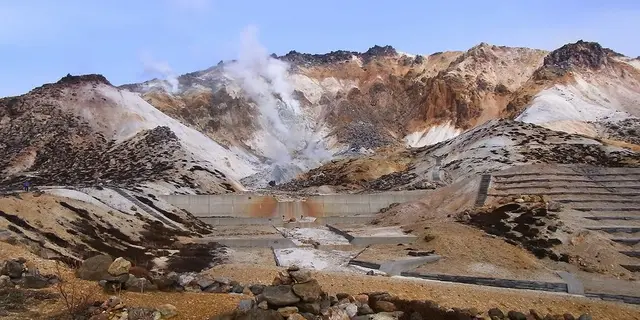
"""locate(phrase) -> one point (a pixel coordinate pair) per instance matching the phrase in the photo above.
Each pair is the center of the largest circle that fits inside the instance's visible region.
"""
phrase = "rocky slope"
(319, 107)
(262, 118)
(495, 145)
(83, 131)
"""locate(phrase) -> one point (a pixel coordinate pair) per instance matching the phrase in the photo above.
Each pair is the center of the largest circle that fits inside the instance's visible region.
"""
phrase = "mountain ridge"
(263, 118)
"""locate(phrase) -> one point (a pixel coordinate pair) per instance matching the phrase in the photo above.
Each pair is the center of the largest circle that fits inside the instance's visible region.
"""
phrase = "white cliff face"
(432, 135)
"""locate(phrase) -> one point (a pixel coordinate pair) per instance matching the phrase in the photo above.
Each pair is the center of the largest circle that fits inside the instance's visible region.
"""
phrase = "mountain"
(243, 123)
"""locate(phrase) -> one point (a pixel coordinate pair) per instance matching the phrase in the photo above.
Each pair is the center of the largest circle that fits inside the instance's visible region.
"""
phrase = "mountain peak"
(90, 78)
(336, 56)
(581, 54)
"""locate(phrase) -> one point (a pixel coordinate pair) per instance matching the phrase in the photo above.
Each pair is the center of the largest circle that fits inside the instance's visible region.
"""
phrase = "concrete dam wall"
(239, 209)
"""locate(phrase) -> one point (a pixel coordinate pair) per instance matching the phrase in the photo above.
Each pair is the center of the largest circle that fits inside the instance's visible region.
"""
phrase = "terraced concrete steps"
(541, 186)
(627, 172)
(627, 241)
(616, 229)
(633, 254)
(483, 189)
(536, 180)
(625, 218)
(609, 201)
(631, 267)
(635, 195)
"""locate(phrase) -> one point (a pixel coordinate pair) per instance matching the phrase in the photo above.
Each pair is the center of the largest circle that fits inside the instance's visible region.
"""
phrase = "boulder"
(308, 291)
(535, 314)
(5, 282)
(351, 309)
(279, 296)
(237, 289)
(301, 276)
(568, 316)
(256, 289)
(204, 282)
(515, 315)
(246, 305)
(287, 311)
(383, 306)
(282, 278)
(37, 281)
(95, 268)
(585, 317)
(139, 284)
(362, 298)
(167, 311)
(223, 280)
(166, 283)
(119, 266)
(335, 313)
(185, 279)
(296, 316)
(313, 308)
(12, 268)
(365, 309)
(496, 313)
(218, 287)
(342, 296)
(137, 313)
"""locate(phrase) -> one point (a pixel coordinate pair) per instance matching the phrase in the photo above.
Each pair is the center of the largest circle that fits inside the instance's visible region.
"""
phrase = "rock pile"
(591, 154)
(295, 295)
(14, 273)
(120, 274)
(113, 308)
(525, 220)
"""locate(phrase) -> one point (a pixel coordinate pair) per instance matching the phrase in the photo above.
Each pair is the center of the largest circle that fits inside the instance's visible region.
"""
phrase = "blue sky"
(43, 40)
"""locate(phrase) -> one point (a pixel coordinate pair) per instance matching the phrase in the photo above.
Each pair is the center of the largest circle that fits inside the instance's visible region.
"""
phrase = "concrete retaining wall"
(493, 282)
(212, 207)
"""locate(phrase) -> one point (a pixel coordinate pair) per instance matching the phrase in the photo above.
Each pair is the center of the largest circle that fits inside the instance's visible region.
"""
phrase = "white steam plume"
(266, 82)
(162, 69)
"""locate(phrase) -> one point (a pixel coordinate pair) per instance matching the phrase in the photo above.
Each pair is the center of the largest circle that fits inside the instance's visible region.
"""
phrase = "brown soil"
(448, 295)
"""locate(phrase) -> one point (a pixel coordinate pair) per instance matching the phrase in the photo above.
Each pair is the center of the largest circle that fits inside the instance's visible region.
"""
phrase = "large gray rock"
(301, 276)
(95, 268)
(308, 291)
(11, 268)
(279, 296)
(515, 315)
(36, 281)
(313, 308)
(246, 305)
(335, 313)
(119, 266)
(139, 284)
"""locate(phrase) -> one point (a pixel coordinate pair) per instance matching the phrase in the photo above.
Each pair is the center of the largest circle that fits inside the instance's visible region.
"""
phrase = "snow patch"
(433, 135)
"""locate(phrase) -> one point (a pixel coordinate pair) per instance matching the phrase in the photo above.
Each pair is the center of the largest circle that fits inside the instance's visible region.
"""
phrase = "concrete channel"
(258, 209)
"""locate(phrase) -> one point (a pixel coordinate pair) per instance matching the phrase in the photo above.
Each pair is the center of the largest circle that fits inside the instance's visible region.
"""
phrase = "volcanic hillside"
(243, 123)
